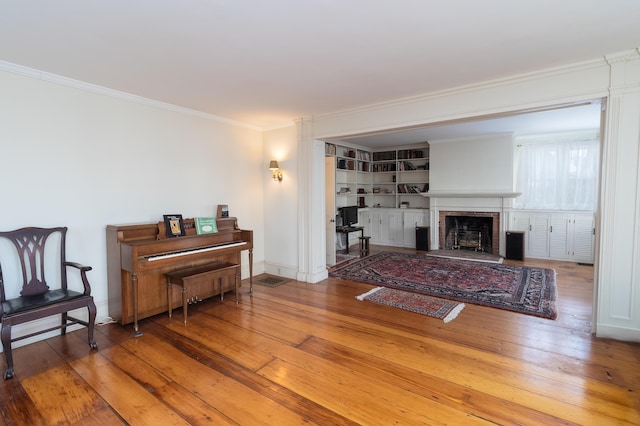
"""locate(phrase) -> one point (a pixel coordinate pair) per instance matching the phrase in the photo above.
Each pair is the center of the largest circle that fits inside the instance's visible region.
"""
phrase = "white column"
(311, 239)
(618, 252)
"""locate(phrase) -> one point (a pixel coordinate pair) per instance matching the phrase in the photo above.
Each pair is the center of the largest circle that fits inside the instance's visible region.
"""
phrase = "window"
(557, 172)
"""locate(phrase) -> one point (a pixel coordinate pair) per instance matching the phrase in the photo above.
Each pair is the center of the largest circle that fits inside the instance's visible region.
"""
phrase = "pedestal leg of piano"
(251, 270)
(134, 284)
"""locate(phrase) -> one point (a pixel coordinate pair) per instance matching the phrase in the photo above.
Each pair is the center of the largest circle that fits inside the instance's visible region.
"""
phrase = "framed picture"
(174, 225)
(223, 210)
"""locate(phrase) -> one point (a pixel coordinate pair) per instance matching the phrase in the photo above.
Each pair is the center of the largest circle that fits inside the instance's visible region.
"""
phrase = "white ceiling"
(264, 63)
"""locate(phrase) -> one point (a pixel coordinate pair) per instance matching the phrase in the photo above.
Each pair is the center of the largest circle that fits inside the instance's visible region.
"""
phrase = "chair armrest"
(83, 275)
(78, 266)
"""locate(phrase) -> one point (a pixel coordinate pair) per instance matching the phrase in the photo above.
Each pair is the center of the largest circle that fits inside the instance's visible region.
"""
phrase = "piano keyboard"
(187, 252)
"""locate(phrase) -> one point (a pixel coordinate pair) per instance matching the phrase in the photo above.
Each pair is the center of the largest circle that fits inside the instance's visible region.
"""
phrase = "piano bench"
(211, 273)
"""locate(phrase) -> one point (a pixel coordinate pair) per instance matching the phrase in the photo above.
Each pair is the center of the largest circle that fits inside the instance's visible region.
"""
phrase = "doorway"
(588, 114)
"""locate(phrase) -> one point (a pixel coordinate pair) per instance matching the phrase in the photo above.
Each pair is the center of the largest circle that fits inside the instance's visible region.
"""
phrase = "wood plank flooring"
(312, 354)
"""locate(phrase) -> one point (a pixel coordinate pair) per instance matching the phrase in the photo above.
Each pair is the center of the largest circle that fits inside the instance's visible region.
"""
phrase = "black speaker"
(515, 245)
(422, 238)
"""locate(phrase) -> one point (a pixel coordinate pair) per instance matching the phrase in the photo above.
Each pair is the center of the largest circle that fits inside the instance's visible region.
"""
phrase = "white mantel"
(461, 194)
(469, 201)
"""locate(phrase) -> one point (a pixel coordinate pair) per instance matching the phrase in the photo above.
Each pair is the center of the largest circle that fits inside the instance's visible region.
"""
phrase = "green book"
(206, 225)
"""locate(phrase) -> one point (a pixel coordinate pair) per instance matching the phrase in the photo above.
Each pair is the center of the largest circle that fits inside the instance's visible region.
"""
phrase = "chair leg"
(63, 329)
(6, 346)
(91, 307)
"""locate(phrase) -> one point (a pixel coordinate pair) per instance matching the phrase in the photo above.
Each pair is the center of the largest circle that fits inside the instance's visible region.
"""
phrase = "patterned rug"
(445, 310)
(523, 289)
(467, 255)
(340, 258)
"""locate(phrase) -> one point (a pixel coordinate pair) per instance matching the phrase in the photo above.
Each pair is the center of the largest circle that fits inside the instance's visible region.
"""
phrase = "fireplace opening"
(468, 233)
(476, 231)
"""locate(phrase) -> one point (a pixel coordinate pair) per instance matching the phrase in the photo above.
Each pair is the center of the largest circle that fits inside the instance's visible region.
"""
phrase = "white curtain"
(557, 172)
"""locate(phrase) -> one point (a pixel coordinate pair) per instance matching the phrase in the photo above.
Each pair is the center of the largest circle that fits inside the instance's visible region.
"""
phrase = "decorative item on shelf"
(344, 191)
(174, 225)
(223, 210)
(404, 205)
(361, 202)
(276, 173)
(206, 225)
(361, 191)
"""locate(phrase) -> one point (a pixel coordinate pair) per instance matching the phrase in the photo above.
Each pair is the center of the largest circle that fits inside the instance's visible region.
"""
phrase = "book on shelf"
(174, 225)
(410, 153)
(206, 225)
(364, 156)
(330, 149)
(403, 188)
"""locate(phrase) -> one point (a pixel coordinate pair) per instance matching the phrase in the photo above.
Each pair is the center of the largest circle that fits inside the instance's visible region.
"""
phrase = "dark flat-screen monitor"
(349, 215)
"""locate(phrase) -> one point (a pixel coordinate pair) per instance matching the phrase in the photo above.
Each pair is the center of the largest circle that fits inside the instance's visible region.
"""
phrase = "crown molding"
(279, 125)
(627, 55)
(520, 78)
(94, 88)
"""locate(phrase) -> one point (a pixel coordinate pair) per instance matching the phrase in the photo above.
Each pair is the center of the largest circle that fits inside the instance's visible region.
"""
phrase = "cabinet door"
(396, 228)
(375, 223)
(364, 219)
(520, 222)
(391, 232)
(538, 241)
(582, 240)
(410, 221)
(558, 232)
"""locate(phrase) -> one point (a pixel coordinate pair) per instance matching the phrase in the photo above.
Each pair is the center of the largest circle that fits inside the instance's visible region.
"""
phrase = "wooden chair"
(39, 298)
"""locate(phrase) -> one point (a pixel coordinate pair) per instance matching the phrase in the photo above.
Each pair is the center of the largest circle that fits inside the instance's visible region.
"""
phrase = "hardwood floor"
(313, 354)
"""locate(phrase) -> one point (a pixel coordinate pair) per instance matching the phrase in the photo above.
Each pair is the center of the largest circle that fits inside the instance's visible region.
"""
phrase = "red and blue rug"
(445, 310)
(522, 289)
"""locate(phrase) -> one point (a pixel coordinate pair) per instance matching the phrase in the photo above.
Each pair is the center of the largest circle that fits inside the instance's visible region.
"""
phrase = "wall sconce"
(276, 174)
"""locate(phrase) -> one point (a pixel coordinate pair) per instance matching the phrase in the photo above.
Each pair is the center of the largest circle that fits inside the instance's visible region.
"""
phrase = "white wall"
(472, 164)
(76, 158)
(281, 203)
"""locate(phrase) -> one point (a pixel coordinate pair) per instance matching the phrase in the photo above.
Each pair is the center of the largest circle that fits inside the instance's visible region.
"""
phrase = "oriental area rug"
(522, 289)
(445, 310)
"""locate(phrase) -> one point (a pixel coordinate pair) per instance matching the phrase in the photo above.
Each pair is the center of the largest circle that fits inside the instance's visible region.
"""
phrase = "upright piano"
(139, 256)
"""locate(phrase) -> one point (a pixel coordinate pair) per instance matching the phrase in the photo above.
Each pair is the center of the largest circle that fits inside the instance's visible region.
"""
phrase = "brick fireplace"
(469, 230)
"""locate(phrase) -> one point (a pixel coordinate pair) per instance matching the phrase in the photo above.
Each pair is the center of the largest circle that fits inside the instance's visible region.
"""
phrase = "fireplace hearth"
(477, 231)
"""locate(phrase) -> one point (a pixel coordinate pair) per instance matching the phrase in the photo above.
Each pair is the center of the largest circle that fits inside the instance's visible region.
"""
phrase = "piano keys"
(190, 252)
(139, 256)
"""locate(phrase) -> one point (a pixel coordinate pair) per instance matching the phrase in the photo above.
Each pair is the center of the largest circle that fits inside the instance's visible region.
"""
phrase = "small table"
(347, 230)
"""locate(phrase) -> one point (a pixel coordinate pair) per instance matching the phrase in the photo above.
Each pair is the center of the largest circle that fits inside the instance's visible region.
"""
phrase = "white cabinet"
(412, 219)
(556, 235)
(390, 227)
(395, 227)
(581, 244)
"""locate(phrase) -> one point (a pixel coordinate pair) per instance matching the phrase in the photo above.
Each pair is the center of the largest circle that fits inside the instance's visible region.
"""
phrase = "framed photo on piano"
(174, 225)
(223, 210)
